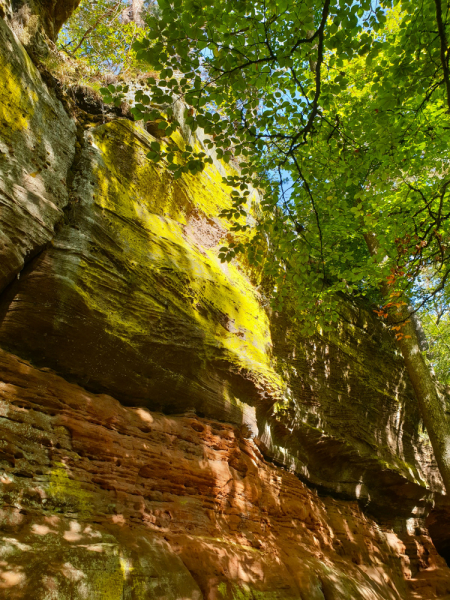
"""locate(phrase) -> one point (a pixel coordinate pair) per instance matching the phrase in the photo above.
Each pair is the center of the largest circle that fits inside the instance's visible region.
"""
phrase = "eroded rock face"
(133, 288)
(131, 299)
(104, 501)
(32, 18)
(37, 146)
(111, 288)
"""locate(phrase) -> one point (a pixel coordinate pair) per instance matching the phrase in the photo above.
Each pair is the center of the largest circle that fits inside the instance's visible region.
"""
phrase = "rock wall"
(164, 434)
(105, 501)
(37, 21)
(37, 146)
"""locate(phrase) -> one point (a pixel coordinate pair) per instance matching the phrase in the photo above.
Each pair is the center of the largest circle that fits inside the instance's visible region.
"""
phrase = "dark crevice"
(444, 551)
(30, 259)
(438, 525)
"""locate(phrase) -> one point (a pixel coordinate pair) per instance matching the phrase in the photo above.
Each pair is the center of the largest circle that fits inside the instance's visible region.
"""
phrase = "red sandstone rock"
(104, 501)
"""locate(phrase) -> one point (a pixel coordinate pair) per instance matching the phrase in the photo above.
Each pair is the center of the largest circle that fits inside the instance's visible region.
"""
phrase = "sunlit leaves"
(336, 112)
(98, 34)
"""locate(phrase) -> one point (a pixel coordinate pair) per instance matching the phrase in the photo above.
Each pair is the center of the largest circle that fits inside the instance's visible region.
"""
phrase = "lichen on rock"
(37, 146)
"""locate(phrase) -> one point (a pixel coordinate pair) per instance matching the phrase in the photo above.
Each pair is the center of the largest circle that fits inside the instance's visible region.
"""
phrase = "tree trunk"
(431, 405)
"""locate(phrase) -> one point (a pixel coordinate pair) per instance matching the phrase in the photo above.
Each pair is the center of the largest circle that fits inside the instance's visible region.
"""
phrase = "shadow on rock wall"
(354, 409)
(37, 146)
(131, 299)
(104, 501)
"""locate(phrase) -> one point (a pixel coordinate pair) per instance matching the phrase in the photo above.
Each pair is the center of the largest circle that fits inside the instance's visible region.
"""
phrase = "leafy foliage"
(339, 112)
(102, 34)
(438, 335)
(435, 318)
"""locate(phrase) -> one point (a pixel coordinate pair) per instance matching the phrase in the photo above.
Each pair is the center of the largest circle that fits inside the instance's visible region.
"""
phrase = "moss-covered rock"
(64, 559)
(131, 299)
(134, 286)
(37, 146)
(109, 275)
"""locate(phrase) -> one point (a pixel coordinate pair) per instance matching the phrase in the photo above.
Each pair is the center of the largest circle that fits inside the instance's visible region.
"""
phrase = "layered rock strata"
(37, 146)
(130, 298)
(114, 309)
(105, 501)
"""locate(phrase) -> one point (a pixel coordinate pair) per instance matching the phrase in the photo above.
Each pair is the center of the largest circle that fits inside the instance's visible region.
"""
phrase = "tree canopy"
(102, 33)
(339, 112)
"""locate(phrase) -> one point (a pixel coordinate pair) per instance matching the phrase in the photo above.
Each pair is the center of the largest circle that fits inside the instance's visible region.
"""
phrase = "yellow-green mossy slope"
(37, 146)
(132, 298)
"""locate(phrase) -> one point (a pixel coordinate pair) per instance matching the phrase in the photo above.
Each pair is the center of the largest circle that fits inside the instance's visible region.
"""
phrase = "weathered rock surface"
(37, 146)
(135, 293)
(104, 501)
(35, 21)
(131, 299)
(111, 288)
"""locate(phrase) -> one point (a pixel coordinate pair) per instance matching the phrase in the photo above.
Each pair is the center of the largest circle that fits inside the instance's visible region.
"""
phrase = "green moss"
(405, 468)
(246, 592)
(66, 491)
(16, 101)
(147, 213)
(108, 585)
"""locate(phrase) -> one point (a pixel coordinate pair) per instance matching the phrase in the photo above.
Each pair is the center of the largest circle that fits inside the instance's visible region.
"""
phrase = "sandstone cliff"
(164, 434)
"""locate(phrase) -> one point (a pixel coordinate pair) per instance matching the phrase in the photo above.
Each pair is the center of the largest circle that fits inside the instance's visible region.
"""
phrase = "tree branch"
(94, 26)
